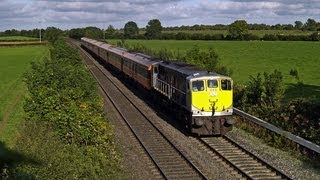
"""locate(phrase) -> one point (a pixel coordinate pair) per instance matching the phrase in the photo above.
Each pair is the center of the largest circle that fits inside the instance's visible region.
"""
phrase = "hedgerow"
(63, 100)
(262, 97)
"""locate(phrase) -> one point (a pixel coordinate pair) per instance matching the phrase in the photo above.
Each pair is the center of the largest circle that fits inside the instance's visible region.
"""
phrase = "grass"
(14, 61)
(17, 38)
(247, 58)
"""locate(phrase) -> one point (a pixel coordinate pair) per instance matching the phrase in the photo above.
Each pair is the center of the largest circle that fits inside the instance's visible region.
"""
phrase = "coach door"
(155, 75)
(134, 70)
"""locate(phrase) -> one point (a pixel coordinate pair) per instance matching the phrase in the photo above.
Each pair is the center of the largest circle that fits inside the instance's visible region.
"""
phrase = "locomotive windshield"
(212, 83)
(197, 86)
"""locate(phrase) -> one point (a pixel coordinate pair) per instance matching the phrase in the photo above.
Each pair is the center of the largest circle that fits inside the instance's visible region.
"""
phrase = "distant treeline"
(238, 30)
(310, 25)
(96, 33)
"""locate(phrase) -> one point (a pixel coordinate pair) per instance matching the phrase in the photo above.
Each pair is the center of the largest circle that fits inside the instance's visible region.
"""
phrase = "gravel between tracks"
(136, 163)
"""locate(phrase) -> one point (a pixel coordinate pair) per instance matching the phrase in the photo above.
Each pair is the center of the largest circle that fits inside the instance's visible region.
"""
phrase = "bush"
(61, 93)
(50, 158)
(270, 37)
(63, 102)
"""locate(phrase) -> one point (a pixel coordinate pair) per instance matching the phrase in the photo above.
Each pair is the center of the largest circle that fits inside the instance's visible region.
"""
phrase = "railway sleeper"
(226, 149)
(250, 163)
(180, 169)
(169, 161)
(158, 148)
(160, 156)
(233, 155)
(268, 178)
(261, 174)
(240, 159)
(181, 174)
(228, 153)
(164, 153)
(162, 150)
(252, 166)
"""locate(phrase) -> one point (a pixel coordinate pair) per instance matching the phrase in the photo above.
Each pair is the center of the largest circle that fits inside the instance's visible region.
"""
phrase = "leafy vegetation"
(153, 29)
(238, 29)
(261, 97)
(65, 134)
(131, 30)
(45, 156)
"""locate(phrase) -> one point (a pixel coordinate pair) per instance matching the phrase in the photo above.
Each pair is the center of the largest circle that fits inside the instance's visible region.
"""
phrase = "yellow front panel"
(209, 97)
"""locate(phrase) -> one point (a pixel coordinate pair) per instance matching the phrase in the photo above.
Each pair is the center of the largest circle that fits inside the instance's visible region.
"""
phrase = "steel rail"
(132, 129)
(237, 167)
(274, 169)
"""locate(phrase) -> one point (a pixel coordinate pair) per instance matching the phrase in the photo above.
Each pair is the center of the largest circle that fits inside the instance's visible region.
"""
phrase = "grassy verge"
(14, 61)
(17, 38)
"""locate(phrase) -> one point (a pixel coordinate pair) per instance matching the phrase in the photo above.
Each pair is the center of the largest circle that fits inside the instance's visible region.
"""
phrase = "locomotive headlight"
(213, 93)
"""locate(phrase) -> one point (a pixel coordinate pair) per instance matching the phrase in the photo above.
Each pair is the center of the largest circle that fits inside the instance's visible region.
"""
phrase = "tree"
(238, 29)
(52, 34)
(93, 32)
(310, 25)
(298, 24)
(153, 29)
(273, 88)
(131, 30)
(110, 31)
(76, 33)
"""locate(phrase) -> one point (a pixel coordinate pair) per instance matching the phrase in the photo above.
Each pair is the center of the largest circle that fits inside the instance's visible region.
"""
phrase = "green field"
(14, 61)
(17, 38)
(247, 58)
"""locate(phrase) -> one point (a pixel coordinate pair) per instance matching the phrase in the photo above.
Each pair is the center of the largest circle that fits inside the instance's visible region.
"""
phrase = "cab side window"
(197, 86)
(225, 84)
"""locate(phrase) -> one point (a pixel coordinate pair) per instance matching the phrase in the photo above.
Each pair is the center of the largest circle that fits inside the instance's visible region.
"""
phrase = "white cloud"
(79, 13)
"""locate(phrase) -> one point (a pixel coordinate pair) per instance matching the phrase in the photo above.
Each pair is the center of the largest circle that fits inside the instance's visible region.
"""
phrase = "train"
(201, 100)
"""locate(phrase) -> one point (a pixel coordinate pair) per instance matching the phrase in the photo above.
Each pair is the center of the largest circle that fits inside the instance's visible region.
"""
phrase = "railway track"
(243, 161)
(169, 160)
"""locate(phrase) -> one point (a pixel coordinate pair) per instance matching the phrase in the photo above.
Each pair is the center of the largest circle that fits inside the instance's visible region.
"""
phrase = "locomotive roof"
(141, 58)
(188, 69)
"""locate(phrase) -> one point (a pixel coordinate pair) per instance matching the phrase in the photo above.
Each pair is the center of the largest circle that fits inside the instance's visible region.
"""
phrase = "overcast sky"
(67, 14)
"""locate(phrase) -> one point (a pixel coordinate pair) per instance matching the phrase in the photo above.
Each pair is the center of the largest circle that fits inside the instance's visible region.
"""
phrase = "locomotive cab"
(211, 104)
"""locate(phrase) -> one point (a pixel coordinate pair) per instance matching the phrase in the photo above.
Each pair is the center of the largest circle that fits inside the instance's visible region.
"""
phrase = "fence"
(279, 131)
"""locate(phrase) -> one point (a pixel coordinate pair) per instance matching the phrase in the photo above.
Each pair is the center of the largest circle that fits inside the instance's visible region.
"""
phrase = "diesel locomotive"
(201, 100)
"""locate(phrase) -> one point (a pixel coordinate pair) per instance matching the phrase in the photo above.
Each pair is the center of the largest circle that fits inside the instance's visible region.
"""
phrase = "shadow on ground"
(10, 159)
(301, 90)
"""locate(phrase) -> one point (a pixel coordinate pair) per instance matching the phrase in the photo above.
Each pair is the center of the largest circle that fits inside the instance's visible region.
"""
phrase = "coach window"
(212, 83)
(225, 84)
(197, 86)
